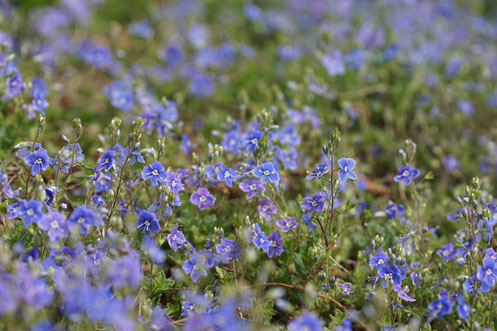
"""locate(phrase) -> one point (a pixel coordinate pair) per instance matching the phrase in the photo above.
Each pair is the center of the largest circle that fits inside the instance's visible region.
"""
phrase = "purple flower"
(346, 166)
(30, 211)
(275, 245)
(105, 161)
(487, 273)
(346, 288)
(252, 141)
(147, 222)
(226, 250)
(226, 175)
(390, 274)
(447, 252)
(259, 239)
(252, 187)
(14, 85)
(402, 293)
(125, 271)
(174, 183)
(287, 224)
(98, 200)
(313, 204)
(83, 217)
(195, 266)
(466, 107)
(378, 260)
(55, 224)
(175, 238)
(38, 161)
(406, 174)
(439, 308)
(308, 321)
(266, 208)
(154, 252)
(451, 163)
(202, 198)
(266, 172)
(462, 309)
(393, 210)
(319, 170)
(333, 63)
(155, 172)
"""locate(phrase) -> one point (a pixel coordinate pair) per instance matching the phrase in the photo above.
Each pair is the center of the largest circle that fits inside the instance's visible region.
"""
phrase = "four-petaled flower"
(346, 166)
(202, 198)
(175, 238)
(252, 187)
(319, 170)
(313, 204)
(38, 161)
(266, 172)
(487, 272)
(30, 211)
(55, 224)
(287, 224)
(147, 222)
(155, 172)
(406, 174)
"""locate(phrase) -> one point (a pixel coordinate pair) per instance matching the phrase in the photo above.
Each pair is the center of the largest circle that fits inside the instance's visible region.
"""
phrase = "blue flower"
(226, 250)
(252, 141)
(487, 272)
(346, 166)
(30, 211)
(259, 239)
(275, 245)
(287, 224)
(439, 308)
(376, 261)
(313, 204)
(308, 321)
(252, 187)
(390, 274)
(106, 161)
(266, 172)
(462, 309)
(406, 174)
(154, 252)
(226, 175)
(155, 172)
(319, 170)
(147, 222)
(175, 238)
(98, 200)
(196, 266)
(447, 252)
(393, 210)
(333, 63)
(14, 84)
(83, 217)
(38, 161)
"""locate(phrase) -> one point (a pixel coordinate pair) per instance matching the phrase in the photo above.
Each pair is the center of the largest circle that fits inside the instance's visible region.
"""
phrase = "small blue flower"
(439, 308)
(406, 174)
(155, 172)
(30, 211)
(393, 210)
(346, 166)
(319, 170)
(487, 273)
(147, 222)
(226, 175)
(38, 161)
(83, 217)
(308, 321)
(266, 172)
(106, 161)
(196, 266)
(463, 309)
(259, 239)
(447, 252)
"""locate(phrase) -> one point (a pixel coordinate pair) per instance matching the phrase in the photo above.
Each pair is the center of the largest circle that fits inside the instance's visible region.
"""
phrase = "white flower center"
(54, 224)
(202, 198)
(81, 220)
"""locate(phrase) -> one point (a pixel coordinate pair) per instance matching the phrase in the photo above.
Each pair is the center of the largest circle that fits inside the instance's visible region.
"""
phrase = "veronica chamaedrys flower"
(14, 85)
(463, 309)
(202, 198)
(175, 238)
(196, 266)
(55, 224)
(147, 222)
(82, 218)
(307, 321)
(226, 250)
(105, 161)
(155, 172)
(376, 261)
(30, 211)
(406, 174)
(125, 271)
(346, 166)
(287, 224)
(315, 203)
(251, 186)
(174, 184)
(319, 170)
(98, 200)
(266, 209)
(275, 245)
(487, 272)
(451, 163)
(226, 175)
(333, 63)
(259, 239)
(390, 274)
(447, 252)
(155, 253)
(393, 210)
(346, 288)
(266, 172)
(402, 293)
(439, 308)
(252, 141)
(37, 160)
